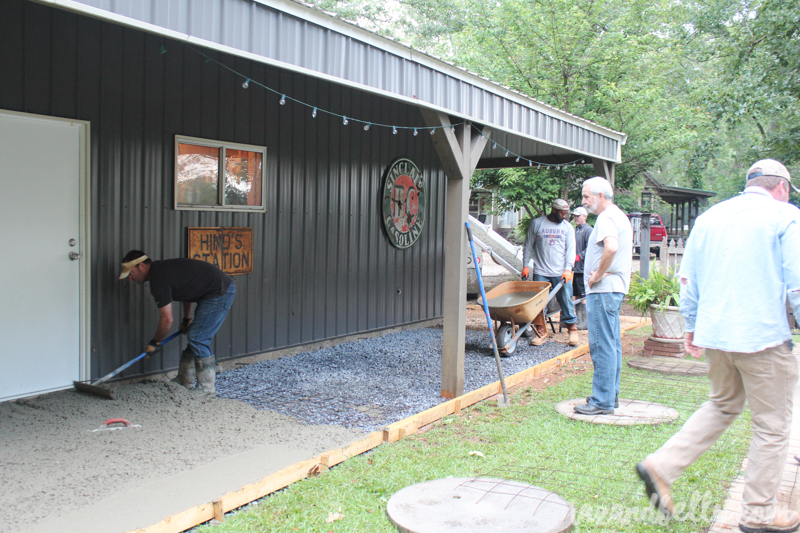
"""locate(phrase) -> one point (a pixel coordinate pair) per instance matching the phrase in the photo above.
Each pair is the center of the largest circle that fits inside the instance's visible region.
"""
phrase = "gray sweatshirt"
(551, 245)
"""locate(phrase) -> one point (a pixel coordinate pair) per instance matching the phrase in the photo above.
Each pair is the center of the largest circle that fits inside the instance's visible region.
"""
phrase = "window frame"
(223, 146)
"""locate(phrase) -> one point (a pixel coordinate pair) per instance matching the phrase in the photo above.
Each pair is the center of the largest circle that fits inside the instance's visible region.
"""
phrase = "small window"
(213, 175)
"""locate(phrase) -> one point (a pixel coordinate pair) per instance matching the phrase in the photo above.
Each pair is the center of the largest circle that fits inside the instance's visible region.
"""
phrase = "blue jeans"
(208, 317)
(564, 297)
(605, 345)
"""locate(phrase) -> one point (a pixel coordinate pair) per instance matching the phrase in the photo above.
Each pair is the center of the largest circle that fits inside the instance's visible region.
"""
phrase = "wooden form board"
(319, 463)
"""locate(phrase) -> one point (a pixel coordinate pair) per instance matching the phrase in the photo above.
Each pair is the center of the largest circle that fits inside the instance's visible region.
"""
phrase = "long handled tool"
(94, 388)
(505, 402)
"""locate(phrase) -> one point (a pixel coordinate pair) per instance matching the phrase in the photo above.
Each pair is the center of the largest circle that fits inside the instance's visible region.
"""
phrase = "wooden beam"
(604, 169)
(459, 150)
(393, 432)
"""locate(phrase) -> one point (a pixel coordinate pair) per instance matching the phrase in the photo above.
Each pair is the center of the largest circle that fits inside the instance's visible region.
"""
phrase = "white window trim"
(222, 145)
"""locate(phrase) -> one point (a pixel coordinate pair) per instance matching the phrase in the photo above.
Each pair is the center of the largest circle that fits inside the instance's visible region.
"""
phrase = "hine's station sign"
(230, 249)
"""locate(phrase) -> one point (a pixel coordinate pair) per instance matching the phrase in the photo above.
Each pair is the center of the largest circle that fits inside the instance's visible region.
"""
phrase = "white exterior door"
(42, 311)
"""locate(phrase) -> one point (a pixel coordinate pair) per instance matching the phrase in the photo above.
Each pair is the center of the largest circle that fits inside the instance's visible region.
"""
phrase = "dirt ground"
(62, 473)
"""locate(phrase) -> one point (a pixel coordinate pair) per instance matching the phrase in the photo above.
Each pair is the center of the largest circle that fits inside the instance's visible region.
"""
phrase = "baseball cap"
(580, 211)
(770, 167)
(131, 259)
(560, 204)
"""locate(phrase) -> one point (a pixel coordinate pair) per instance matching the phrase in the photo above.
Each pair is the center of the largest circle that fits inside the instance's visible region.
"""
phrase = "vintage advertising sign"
(230, 249)
(404, 198)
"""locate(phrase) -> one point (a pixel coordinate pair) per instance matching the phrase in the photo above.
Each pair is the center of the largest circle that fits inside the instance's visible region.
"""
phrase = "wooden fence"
(670, 254)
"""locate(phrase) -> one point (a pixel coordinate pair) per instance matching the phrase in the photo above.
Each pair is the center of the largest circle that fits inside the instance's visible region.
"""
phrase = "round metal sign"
(404, 198)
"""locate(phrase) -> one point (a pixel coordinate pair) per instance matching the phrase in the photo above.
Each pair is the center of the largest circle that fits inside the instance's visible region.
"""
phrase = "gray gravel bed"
(370, 383)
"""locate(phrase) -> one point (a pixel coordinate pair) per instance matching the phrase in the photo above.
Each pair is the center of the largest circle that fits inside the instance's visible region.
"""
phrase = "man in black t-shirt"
(188, 281)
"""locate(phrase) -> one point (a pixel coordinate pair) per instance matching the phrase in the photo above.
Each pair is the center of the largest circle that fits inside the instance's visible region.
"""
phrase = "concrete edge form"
(321, 462)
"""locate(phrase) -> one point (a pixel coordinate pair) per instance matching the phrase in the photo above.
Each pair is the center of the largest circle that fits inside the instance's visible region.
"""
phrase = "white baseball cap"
(580, 211)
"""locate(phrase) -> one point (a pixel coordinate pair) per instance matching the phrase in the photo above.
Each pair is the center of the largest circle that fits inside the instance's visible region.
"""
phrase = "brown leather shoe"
(657, 490)
(541, 335)
(573, 335)
(785, 522)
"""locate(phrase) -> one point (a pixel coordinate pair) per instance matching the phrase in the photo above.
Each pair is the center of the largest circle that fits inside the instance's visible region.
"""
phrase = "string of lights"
(316, 110)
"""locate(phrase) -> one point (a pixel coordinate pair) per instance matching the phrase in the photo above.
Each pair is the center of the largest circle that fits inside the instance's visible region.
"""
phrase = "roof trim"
(325, 20)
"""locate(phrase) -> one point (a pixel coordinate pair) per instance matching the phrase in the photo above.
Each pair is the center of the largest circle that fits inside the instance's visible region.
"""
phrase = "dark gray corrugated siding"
(342, 52)
(323, 265)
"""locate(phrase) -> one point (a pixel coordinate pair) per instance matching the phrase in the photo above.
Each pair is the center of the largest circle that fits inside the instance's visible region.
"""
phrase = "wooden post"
(459, 152)
(604, 169)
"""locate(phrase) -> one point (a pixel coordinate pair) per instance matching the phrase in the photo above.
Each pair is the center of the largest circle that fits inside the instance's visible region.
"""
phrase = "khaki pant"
(766, 379)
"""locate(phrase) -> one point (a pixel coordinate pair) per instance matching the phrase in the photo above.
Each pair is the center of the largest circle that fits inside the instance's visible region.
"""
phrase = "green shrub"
(661, 290)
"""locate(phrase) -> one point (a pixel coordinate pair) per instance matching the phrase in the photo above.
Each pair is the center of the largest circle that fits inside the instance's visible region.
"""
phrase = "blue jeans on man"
(564, 297)
(605, 345)
(209, 315)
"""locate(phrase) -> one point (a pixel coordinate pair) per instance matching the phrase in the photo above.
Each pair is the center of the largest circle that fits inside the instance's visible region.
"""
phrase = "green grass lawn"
(591, 466)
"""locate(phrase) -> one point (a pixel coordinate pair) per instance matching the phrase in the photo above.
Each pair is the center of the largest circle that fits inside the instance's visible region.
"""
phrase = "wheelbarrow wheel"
(505, 340)
(529, 332)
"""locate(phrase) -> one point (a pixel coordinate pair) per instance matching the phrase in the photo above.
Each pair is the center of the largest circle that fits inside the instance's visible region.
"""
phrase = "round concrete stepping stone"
(670, 365)
(629, 413)
(478, 505)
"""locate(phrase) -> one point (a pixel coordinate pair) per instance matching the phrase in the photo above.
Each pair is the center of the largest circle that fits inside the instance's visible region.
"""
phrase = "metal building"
(98, 99)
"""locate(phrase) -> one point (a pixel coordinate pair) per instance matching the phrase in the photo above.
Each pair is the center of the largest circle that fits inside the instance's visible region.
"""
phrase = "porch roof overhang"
(301, 38)
(676, 195)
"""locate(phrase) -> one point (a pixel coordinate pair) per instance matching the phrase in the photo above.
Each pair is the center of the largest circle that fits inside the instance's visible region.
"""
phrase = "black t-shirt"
(186, 280)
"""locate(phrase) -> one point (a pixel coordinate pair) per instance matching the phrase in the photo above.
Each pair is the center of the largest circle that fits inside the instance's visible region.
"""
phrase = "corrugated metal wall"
(323, 265)
(272, 33)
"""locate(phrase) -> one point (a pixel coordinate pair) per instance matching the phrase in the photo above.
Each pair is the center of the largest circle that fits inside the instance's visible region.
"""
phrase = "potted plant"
(660, 294)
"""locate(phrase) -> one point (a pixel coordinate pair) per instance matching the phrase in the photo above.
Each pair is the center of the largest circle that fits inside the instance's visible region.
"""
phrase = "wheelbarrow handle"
(132, 361)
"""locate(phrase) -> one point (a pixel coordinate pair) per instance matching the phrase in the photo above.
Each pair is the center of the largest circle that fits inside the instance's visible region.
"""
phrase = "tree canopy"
(702, 88)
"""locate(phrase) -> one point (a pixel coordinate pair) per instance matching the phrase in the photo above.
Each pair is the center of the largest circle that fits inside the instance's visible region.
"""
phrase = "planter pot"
(667, 324)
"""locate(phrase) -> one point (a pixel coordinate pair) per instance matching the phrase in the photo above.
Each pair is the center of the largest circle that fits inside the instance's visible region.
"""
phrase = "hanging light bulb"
(246, 83)
(394, 130)
(283, 100)
(345, 121)
(558, 167)
(506, 153)
(530, 163)
(453, 129)
(517, 159)
(367, 125)
(433, 130)
(415, 132)
(314, 113)
(495, 146)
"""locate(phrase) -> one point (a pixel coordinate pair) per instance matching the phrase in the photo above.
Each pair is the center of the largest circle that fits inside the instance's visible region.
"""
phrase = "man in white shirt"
(607, 273)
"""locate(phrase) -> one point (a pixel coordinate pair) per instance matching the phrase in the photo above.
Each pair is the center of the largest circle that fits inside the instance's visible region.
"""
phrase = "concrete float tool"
(505, 402)
(94, 388)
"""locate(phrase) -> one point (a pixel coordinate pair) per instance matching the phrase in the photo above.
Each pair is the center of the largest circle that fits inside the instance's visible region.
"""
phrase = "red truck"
(657, 231)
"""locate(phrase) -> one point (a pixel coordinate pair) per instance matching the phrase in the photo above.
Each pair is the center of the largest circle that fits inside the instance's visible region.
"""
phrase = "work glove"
(577, 257)
(524, 275)
(152, 347)
(184, 327)
(567, 276)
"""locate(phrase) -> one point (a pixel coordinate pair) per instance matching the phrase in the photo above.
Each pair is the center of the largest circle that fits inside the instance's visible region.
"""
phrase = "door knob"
(74, 256)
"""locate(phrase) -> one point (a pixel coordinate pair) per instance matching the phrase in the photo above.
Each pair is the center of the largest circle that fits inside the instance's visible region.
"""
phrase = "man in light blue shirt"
(741, 264)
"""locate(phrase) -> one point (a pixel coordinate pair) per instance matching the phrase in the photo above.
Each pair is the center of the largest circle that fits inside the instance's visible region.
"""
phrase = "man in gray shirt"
(551, 243)
(608, 275)
(582, 233)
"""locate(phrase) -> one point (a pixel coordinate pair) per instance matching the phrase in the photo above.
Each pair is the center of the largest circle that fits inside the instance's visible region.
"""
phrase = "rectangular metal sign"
(230, 249)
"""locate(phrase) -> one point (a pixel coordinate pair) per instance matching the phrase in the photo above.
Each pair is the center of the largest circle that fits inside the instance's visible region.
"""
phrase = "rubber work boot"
(573, 335)
(541, 335)
(657, 490)
(785, 522)
(206, 374)
(186, 374)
